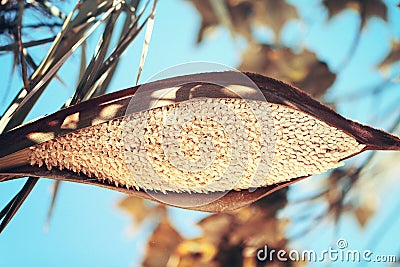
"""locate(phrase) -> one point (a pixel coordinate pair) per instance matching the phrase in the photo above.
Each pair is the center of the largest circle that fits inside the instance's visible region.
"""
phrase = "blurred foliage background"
(359, 199)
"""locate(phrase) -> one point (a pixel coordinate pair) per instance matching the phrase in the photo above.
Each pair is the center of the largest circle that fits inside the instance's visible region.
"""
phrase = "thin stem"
(13, 206)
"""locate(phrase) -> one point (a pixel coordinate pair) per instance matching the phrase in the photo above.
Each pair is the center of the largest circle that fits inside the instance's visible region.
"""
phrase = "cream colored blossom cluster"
(201, 145)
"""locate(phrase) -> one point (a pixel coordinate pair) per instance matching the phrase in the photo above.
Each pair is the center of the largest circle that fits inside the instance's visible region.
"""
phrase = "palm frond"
(149, 31)
(13, 206)
(85, 18)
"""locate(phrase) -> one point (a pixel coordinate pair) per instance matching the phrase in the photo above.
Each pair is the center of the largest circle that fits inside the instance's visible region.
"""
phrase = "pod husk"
(115, 105)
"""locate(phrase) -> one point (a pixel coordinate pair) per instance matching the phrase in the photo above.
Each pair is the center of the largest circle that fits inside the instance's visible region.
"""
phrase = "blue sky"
(88, 230)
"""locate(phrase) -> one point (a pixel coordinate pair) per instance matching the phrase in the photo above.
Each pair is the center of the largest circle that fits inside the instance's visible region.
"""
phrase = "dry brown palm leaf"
(367, 8)
(393, 56)
(84, 143)
(240, 17)
(304, 70)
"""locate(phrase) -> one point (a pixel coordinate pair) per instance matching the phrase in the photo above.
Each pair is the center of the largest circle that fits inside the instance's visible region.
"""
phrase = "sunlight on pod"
(295, 145)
